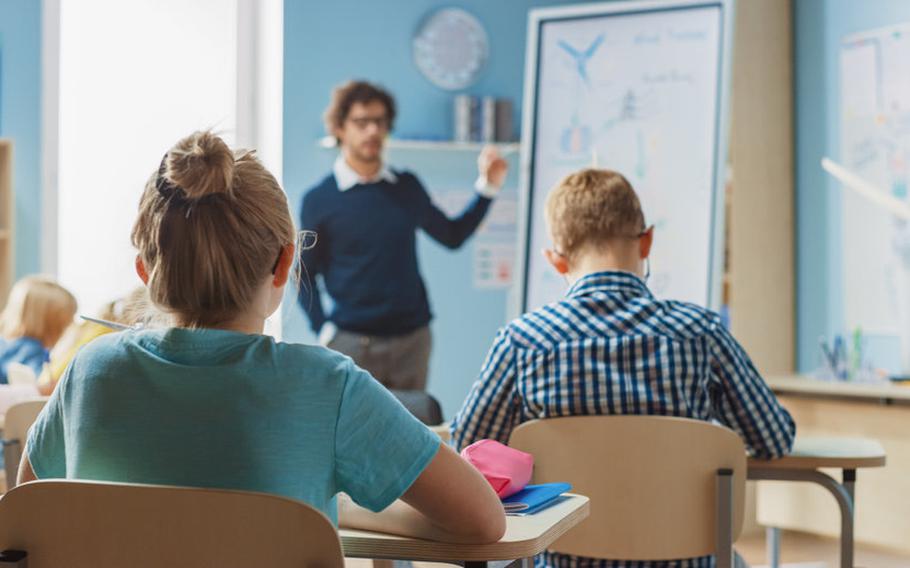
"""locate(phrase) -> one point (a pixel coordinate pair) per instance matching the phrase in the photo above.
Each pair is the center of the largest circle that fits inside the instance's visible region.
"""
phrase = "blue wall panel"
(20, 120)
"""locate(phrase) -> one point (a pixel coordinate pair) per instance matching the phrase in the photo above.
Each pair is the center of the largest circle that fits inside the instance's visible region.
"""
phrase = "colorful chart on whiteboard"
(639, 93)
(875, 145)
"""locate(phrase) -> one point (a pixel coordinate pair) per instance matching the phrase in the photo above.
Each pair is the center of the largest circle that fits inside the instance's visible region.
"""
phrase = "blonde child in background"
(37, 313)
(130, 310)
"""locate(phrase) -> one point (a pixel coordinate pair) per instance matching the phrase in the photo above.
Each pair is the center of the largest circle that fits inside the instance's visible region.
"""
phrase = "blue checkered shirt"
(611, 348)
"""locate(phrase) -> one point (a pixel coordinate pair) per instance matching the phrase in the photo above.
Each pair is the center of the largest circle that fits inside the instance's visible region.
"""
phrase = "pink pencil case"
(508, 470)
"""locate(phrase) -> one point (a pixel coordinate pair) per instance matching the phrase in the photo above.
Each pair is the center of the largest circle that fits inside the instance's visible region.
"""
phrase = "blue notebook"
(533, 498)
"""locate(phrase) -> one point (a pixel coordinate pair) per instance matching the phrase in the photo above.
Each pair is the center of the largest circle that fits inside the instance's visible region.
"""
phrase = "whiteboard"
(875, 145)
(640, 88)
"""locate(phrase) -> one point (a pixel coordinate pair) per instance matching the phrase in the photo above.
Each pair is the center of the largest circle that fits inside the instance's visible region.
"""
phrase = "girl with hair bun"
(212, 402)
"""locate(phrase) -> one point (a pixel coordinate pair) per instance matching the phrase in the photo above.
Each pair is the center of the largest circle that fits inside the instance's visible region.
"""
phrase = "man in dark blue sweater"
(366, 216)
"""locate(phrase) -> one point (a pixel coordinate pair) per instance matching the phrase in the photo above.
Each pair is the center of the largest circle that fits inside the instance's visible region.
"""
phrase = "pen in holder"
(828, 369)
(842, 363)
(834, 360)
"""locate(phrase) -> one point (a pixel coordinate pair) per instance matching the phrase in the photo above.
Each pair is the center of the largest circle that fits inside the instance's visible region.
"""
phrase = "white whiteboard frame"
(536, 19)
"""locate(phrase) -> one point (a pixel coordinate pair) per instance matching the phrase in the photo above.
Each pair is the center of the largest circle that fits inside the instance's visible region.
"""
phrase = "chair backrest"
(421, 404)
(652, 481)
(105, 525)
(18, 419)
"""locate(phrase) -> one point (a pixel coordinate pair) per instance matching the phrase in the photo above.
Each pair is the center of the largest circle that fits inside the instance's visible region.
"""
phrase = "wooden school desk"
(827, 409)
(804, 464)
(525, 537)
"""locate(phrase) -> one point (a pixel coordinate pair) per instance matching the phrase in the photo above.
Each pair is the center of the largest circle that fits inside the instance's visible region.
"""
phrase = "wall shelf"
(505, 148)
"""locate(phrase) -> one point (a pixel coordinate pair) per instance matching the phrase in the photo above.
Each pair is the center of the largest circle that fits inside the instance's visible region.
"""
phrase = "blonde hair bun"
(201, 164)
(211, 225)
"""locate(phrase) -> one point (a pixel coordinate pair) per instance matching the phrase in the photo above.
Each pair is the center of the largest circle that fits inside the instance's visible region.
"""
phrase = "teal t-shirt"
(213, 408)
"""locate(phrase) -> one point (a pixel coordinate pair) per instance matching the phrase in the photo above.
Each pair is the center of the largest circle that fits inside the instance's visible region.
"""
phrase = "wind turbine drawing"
(582, 57)
(576, 138)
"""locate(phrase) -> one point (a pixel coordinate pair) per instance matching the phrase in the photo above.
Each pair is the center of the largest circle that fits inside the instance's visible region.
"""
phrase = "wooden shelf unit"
(6, 218)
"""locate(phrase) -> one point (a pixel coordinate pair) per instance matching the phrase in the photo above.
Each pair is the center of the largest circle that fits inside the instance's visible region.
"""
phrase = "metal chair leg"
(772, 546)
(723, 536)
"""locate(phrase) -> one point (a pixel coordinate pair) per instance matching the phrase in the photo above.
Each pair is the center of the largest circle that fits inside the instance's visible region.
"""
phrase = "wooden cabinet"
(761, 281)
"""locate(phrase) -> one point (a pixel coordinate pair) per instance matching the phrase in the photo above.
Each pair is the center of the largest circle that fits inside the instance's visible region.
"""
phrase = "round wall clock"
(450, 48)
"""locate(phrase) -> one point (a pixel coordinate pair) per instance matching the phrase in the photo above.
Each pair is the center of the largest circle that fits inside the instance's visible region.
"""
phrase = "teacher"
(366, 215)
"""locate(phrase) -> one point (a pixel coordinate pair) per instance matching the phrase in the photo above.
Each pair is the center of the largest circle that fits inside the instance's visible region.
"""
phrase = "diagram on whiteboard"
(637, 93)
(875, 145)
(582, 57)
(576, 137)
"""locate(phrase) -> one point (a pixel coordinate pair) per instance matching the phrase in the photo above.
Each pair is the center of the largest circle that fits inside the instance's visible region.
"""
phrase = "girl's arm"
(449, 502)
(26, 473)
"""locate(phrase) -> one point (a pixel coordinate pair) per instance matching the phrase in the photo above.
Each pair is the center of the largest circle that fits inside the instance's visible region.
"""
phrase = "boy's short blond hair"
(39, 308)
(592, 207)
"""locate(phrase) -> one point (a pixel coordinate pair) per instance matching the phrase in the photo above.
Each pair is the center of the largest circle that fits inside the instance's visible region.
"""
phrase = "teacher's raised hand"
(491, 167)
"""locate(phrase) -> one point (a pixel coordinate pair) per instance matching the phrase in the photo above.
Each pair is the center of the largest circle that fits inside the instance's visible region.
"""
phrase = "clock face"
(450, 48)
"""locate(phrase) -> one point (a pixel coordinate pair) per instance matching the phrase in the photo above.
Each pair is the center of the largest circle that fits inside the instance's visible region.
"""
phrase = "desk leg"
(842, 494)
(772, 546)
(846, 547)
(849, 483)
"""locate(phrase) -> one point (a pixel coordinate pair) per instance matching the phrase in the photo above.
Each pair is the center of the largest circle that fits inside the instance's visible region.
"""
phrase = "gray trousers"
(399, 362)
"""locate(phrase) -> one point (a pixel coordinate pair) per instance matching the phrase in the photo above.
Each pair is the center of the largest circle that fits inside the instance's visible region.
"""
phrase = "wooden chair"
(80, 524)
(661, 488)
(18, 419)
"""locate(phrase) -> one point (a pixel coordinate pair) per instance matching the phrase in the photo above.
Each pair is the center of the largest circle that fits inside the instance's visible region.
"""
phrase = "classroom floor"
(798, 550)
(802, 550)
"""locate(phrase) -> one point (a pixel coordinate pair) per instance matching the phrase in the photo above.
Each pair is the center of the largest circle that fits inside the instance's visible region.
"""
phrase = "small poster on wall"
(494, 243)
(494, 265)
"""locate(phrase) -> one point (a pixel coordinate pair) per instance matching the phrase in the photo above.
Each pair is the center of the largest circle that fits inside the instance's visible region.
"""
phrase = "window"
(133, 78)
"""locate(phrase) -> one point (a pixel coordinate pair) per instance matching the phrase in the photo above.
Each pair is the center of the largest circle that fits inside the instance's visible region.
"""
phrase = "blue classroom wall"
(819, 26)
(20, 120)
(327, 43)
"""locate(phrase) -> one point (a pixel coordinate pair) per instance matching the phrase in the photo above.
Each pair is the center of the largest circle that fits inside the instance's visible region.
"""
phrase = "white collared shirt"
(346, 177)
